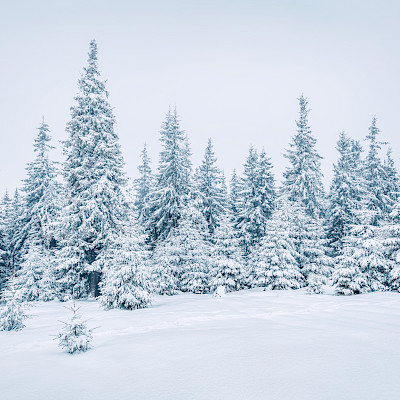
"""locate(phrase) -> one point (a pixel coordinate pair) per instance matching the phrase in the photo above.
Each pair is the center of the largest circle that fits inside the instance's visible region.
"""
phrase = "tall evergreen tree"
(209, 183)
(377, 200)
(11, 211)
(303, 178)
(316, 265)
(362, 265)
(346, 192)
(35, 279)
(181, 261)
(144, 186)
(126, 280)
(194, 241)
(273, 263)
(3, 259)
(391, 182)
(257, 197)
(226, 266)
(41, 196)
(171, 190)
(391, 233)
(6, 232)
(234, 194)
(94, 182)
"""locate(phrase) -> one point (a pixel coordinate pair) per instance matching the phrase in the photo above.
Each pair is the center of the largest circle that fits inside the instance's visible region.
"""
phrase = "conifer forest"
(190, 281)
(83, 229)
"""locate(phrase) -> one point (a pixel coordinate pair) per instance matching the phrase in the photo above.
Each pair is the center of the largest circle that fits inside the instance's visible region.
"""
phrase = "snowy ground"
(247, 345)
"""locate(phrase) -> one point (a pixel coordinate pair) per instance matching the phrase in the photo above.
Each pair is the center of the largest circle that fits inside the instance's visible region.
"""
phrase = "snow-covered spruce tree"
(126, 278)
(316, 265)
(194, 238)
(362, 266)
(257, 199)
(171, 189)
(209, 184)
(11, 211)
(234, 194)
(274, 261)
(346, 192)
(375, 177)
(94, 184)
(391, 232)
(143, 187)
(3, 259)
(35, 279)
(181, 261)
(226, 266)
(187, 165)
(14, 313)
(165, 265)
(75, 336)
(41, 201)
(391, 182)
(7, 231)
(303, 178)
(308, 236)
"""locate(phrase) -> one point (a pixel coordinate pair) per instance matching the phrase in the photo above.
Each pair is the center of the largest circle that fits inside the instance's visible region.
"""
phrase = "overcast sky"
(234, 69)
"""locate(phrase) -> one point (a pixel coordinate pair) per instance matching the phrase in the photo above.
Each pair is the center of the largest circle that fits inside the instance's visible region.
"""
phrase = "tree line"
(81, 229)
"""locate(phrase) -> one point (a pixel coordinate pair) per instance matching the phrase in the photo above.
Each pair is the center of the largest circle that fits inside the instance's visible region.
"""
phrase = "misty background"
(234, 69)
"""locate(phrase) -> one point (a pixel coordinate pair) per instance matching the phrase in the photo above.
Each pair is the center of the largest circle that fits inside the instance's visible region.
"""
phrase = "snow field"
(248, 345)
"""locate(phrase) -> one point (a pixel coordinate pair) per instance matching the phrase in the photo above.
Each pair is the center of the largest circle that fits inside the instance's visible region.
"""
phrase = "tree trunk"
(94, 279)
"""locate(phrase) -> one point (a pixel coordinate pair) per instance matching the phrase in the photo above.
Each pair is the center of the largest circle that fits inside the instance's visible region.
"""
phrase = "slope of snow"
(246, 345)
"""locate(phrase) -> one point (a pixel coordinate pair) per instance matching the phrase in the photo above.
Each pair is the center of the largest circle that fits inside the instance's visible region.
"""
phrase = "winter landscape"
(187, 280)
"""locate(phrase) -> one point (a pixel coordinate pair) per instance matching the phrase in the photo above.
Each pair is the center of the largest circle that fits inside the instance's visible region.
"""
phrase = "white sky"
(233, 68)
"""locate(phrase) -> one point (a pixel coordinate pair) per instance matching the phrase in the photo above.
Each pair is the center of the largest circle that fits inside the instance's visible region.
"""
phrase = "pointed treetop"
(42, 138)
(373, 133)
(302, 123)
(92, 60)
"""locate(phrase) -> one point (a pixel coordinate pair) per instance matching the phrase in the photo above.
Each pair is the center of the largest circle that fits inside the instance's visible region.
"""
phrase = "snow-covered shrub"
(14, 314)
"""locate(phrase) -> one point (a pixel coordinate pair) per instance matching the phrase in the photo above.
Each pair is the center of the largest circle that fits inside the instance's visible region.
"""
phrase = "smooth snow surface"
(247, 345)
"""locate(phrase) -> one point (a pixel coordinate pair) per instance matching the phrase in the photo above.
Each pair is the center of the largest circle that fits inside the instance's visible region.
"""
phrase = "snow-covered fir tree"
(75, 336)
(3, 259)
(234, 194)
(316, 265)
(11, 211)
(5, 267)
(126, 277)
(143, 187)
(210, 189)
(257, 198)
(182, 260)
(94, 184)
(362, 265)
(391, 182)
(14, 312)
(274, 261)
(171, 188)
(192, 233)
(41, 195)
(187, 164)
(303, 178)
(35, 279)
(346, 192)
(165, 265)
(391, 233)
(375, 177)
(226, 266)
